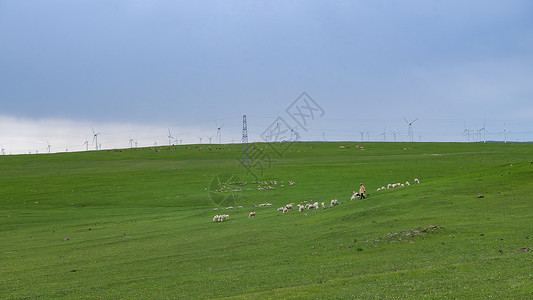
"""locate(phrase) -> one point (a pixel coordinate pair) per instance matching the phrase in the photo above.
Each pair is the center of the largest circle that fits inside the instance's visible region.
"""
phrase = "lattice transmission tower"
(245, 153)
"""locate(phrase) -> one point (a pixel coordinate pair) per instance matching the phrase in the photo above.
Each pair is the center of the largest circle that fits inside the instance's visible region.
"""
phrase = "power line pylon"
(245, 153)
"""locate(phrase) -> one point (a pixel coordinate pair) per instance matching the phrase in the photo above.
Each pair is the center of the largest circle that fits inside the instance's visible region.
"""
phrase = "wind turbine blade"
(414, 121)
(405, 120)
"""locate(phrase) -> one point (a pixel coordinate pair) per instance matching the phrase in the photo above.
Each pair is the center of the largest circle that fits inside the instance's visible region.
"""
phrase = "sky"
(135, 70)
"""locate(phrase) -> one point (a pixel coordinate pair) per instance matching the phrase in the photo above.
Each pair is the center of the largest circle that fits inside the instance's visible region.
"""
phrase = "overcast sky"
(135, 69)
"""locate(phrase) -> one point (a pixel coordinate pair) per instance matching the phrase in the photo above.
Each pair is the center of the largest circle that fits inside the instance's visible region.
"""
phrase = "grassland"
(138, 223)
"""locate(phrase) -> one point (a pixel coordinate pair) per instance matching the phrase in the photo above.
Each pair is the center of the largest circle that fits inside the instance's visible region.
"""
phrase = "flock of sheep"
(271, 185)
(283, 209)
(220, 218)
(238, 186)
(308, 206)
(394, 185)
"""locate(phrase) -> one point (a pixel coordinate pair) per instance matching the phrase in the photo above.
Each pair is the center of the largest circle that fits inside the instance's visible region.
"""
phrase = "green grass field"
(138, 223)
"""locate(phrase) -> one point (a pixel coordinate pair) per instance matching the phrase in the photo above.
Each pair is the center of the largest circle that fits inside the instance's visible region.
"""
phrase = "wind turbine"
(467, 133)
(131, 142)
(219, 133)
(95, 138)
(48, 147)
(86, 144)
(384, 134)
(410, 128)
(394, 133)
(209, 137)
(484, 132)
(294, 134)
(362, 135)
(504, 131)
(3, 150)
(170, 137)
(200, 138)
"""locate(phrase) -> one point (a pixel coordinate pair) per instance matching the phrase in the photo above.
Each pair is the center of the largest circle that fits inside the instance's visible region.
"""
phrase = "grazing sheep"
(334, 202)
(220, 218)
(323, 206)
(417, 181)
(300, 207)
(284, 210)
(252, 214)
(229, 207)
(354, 196)
(288, 206)
(281, 209)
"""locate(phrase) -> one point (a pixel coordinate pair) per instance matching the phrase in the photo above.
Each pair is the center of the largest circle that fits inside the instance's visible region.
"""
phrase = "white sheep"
(220, 218)
(334, 202)
(300, 207)
(417, 181)
(407, 183)
(323, 206)
(354, 196)
(252, 214)
(285, 210)
(288, 206)
(315, 205)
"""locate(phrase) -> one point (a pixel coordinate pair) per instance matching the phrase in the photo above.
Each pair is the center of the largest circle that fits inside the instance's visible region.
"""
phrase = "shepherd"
(361, 191)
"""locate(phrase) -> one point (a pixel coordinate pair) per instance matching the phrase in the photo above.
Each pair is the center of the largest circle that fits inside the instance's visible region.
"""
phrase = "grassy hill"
(137, 223)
